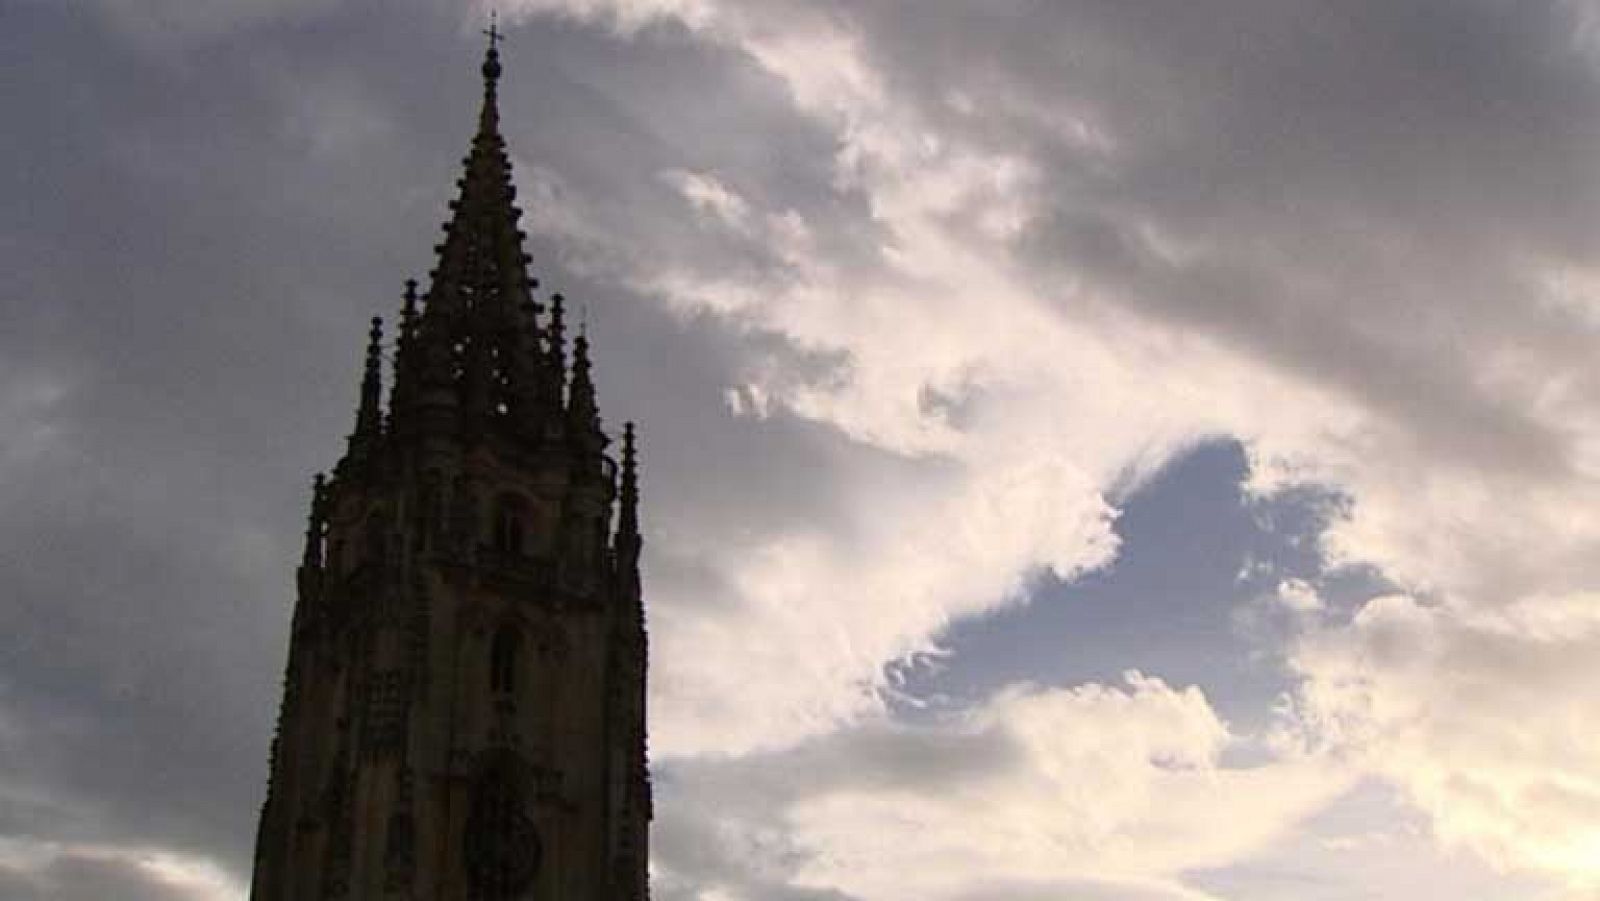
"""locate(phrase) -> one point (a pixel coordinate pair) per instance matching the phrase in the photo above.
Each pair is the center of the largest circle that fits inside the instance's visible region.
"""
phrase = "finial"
(583, 417)
(580, 348)
(491, 60)
(582, 387)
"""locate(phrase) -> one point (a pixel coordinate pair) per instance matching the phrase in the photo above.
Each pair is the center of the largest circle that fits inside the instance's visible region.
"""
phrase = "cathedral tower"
(463, 707)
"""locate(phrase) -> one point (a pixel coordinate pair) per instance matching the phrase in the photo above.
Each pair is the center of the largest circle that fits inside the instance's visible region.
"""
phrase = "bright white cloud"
(1483, 717)
(1094, 791)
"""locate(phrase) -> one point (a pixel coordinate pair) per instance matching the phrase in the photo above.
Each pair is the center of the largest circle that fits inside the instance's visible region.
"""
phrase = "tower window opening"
(503, 660)
(428, 510)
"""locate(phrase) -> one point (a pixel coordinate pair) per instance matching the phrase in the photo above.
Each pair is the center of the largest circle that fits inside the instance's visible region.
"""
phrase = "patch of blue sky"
(1186, 600)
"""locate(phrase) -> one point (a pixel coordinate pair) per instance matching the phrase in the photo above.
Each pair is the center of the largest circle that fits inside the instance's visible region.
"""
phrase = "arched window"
(503, 660)
(510, 511)
(373, 538)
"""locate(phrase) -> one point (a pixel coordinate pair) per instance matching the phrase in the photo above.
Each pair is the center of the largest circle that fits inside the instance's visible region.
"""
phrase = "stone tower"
(463, 707)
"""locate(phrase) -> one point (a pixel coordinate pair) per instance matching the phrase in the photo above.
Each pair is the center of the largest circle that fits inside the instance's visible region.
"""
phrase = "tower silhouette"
(463, 711)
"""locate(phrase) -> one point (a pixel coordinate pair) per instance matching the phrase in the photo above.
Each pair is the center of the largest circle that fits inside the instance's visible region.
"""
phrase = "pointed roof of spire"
(471, 333)
(483, 245)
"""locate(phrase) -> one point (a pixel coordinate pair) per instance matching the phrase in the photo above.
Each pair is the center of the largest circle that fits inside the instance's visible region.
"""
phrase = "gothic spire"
(470, 332)
(487, 487)
(482, 239)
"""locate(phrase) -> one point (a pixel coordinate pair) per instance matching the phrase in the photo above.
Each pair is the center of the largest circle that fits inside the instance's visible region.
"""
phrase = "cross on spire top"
(491, 59)
(494, 32)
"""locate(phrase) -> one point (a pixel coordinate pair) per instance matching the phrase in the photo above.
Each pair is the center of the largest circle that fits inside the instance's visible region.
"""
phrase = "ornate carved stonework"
(502, 846)
(463, 707)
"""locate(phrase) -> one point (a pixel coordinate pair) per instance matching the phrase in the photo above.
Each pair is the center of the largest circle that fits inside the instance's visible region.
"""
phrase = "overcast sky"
(1107, 449)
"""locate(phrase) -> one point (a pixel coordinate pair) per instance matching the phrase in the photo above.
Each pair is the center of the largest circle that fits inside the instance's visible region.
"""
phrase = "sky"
(1126, 450)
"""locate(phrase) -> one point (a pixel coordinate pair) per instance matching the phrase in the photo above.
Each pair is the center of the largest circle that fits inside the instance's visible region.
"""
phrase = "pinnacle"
(628, 499)
(374, 344)
(369, 416)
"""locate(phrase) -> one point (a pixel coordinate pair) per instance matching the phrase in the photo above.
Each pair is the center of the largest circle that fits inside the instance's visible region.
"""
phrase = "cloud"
(39, 871)
(931, 322)
(1330, 233)
(160, 23)
(1480, 716)
(1108, 790)
(709, 196)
